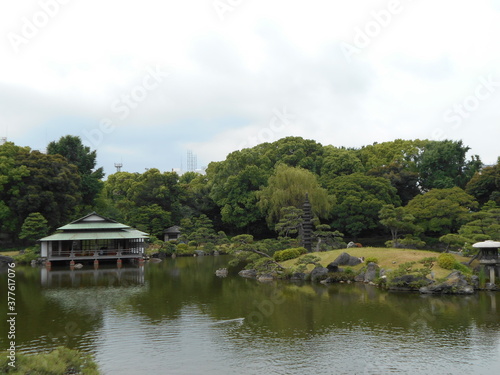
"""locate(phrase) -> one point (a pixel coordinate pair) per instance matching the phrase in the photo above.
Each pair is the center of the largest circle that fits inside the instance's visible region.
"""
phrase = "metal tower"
(191, 161)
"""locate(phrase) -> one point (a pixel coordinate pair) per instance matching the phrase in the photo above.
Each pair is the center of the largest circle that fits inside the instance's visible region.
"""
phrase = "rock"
(345, 259)
(265, 277)
(333, 267)
(319, 273)
(155, 260)
(298, 276)
(5, 260)
(221, 272)
(490, 286)
(199, 253)
(78, 266)
(216, 253)
(455, 283)
(408, 282)
(248, 273)
(371, 272)
(360, 277)
(475, 281)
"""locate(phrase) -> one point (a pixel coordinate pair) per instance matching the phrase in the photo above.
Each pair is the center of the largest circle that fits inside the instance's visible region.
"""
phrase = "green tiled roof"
(93, 225)
(115, 235)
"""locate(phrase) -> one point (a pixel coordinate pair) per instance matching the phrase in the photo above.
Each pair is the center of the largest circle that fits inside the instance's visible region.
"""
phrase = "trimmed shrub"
(287, 254)
(26, 256)
(371, 260)
(182, 247)
(341, 276)
(446, 261)
(60, 361)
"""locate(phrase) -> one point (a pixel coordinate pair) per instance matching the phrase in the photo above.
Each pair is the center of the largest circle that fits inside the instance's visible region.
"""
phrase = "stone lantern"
(488, 257)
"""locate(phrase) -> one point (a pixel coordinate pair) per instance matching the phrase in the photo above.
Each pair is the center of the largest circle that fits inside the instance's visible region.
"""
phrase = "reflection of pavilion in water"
(103, 277)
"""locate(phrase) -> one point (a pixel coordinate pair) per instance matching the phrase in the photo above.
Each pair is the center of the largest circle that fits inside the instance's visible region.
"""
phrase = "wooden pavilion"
(93, 237)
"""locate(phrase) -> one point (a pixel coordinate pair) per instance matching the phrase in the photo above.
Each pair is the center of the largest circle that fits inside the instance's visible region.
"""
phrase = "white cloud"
(228, 76)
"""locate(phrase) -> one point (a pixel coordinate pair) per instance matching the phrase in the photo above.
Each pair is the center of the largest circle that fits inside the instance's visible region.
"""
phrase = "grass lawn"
(386, 257)
(9, 253)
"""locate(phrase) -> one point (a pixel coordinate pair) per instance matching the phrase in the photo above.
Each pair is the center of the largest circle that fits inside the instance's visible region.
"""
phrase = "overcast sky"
(145, 81)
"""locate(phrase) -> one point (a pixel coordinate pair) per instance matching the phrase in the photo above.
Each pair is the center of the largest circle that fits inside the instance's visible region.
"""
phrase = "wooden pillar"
(96, 263)
(119, 263)
(48, 264)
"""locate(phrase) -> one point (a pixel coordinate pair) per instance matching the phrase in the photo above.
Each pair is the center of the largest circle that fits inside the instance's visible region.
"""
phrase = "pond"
(177, 317)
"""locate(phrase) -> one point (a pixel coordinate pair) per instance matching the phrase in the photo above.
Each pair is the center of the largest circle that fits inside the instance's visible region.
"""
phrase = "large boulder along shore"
(455, 283)
(5, 261)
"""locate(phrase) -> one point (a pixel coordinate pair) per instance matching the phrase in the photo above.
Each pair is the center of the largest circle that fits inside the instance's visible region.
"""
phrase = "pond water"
(177, 317)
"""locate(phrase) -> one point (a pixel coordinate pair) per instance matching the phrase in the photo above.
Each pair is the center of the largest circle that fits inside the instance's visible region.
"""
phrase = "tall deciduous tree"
(72, 148)
(11, 175)
(288, 187)
(51, 187)
(359, 200)
(339, 162)
(151, 219)
(404, 179)
(443, 165)
(485, 184)
(234, 184)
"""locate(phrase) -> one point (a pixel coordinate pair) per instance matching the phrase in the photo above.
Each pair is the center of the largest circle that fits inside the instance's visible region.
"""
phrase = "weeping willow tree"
(288, 187)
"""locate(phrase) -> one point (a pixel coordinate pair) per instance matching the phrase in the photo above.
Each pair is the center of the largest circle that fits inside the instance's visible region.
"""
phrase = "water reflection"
(113, 276)
(177, 317)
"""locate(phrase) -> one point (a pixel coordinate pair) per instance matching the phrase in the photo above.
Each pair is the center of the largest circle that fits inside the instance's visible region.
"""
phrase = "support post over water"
(307, 225)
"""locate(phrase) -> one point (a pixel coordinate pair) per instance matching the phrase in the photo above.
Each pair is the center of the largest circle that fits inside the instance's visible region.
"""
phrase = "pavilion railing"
(96, 253)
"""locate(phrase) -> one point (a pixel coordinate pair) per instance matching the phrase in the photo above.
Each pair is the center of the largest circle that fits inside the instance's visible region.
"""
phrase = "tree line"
(414, 192)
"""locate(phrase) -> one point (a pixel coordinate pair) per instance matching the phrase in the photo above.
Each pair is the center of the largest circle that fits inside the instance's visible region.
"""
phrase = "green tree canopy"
(401, 177)
(288, 187)
(359, 200)
(400, 152)
(151, 219)
(72, 148)
(34, 227)
(50, 187)
(441, 211)
(131, 191)
(483, 225)
(11, 175)
(234, 184)
(398, 221)
(339, 162)
(485, 184)
(443, 165)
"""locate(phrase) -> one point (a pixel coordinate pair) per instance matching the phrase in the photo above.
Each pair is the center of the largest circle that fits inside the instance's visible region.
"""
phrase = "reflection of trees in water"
(181, 288)
(303, 309)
